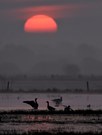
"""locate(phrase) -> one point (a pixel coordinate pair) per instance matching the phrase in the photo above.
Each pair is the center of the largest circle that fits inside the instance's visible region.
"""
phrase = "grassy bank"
(45, 112)
(48, 133)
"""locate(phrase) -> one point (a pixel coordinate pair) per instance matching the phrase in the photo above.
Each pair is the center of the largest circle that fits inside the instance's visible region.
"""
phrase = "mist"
(67, 59)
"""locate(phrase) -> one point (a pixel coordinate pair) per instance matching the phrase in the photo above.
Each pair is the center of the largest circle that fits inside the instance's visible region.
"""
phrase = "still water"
(12, 101)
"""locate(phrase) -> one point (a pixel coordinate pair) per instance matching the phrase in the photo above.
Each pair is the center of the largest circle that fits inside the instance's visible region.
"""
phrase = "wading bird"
(32, 103)
(88, 106)
(58, 100)
(50, 108)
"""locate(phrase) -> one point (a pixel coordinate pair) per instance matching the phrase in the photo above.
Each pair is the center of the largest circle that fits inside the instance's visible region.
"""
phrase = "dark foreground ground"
(46, 112)
(47, 133)
(30, 122)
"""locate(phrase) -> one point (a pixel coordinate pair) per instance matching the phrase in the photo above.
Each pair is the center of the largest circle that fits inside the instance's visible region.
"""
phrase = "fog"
(62, 60)
(75, 49)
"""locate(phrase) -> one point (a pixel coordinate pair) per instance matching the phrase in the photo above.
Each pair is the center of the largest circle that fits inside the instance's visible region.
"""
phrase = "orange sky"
(79, 22)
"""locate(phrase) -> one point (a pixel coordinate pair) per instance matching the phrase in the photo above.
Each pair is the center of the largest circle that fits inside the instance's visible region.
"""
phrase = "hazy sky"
(79, 26)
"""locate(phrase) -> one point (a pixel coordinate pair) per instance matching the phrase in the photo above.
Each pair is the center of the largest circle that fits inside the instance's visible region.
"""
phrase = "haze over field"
(82, 59)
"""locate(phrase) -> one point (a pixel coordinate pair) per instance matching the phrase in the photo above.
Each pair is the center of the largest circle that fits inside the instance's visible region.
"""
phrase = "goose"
(58, 100)
(67, 108)
(50, 108)
(32, 103)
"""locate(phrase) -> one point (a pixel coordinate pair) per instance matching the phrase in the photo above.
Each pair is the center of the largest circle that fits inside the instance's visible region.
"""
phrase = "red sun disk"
(40, 23)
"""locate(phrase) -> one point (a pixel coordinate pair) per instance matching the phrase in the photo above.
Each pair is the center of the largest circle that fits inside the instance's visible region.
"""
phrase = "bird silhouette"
(50, 108)
(32, 103)
(67, 108)
(58, 100)
(88, 106)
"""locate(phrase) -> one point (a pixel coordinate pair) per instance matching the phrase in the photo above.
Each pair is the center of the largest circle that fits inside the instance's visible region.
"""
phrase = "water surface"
(12, 101)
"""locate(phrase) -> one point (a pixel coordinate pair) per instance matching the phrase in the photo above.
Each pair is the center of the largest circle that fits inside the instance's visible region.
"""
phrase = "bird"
(88, 106)
(67, 108)
(58, 100)
(32, 103)
(50, 108)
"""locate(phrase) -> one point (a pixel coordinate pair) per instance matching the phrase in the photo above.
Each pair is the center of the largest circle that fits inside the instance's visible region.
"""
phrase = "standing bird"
(88, 106)
(58, 100)
(50, 108)
(32, 103)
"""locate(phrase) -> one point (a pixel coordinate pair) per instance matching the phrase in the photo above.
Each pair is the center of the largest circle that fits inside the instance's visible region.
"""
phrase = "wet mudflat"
(53, 123)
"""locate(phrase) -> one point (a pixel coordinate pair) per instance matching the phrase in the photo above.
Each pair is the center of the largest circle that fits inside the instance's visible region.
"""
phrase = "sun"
(40, 24)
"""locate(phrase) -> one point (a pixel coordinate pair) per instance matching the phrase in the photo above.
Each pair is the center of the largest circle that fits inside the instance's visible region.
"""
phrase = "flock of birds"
(35, 105)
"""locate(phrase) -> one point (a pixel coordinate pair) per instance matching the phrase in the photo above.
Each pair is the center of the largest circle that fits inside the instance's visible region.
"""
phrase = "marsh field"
(19, 118)
(28, 122)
